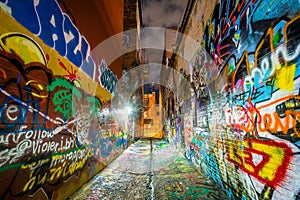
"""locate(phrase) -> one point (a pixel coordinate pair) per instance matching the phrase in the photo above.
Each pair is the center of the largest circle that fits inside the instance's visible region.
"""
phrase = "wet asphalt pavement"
(150, 169)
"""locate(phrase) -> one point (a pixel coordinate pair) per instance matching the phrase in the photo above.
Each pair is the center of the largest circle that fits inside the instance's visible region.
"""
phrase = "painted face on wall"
(24, 80)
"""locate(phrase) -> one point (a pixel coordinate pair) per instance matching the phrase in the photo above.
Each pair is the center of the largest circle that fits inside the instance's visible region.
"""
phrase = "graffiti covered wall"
(242, 127)
(55, 133)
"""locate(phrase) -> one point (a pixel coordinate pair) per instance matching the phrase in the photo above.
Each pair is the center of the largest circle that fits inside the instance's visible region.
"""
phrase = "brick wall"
(55, 133)
(133, 58)
(242, 126)
(130, 23)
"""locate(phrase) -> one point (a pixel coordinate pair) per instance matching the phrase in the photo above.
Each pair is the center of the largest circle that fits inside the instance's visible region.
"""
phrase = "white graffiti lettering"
(261, 73)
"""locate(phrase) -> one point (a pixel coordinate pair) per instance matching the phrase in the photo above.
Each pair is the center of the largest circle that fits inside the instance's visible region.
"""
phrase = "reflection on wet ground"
(150, 169)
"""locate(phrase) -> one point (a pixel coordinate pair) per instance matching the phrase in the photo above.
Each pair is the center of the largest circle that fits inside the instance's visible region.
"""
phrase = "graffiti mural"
(242, 126)
(107, 78)
(57, 30)
(55, 133)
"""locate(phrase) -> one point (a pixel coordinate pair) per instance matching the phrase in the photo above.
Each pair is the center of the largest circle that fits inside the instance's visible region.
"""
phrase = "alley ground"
(149, 169)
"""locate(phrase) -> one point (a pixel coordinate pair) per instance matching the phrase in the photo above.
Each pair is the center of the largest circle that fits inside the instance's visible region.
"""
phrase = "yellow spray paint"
(285, 77)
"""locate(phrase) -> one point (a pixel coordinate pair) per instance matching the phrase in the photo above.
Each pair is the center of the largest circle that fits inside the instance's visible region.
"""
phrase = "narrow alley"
(150, 99)
(150, 169)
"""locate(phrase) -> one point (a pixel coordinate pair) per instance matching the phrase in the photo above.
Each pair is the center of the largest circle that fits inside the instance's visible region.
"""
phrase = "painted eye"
(76, 83)
(37, 89)
(237, 36)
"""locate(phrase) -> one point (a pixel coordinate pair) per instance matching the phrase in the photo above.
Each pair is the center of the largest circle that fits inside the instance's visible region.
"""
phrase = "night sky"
(162, 13)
